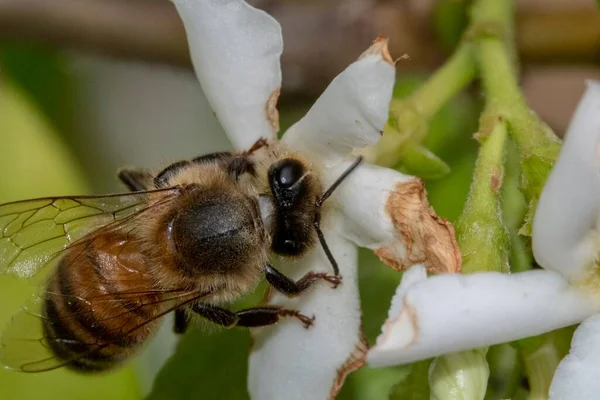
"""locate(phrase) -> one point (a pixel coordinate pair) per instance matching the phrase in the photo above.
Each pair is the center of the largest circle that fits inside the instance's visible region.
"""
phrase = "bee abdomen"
(97, 310)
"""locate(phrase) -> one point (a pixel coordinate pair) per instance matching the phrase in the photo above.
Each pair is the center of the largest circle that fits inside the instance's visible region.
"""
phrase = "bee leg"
(182, 321)
(250, 317)
(259, 144)
(136, 180)
(239, 166)
(293, 288)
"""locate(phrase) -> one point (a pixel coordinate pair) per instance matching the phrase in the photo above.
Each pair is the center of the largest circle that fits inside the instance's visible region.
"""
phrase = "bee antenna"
(339, 180)
(319, 203)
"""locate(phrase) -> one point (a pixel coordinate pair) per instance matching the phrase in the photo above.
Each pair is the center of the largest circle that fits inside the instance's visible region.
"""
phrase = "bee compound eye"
(288, 172)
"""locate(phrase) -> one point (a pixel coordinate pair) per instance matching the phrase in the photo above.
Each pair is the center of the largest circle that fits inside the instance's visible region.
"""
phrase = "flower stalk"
(540, 361)
(492, 29)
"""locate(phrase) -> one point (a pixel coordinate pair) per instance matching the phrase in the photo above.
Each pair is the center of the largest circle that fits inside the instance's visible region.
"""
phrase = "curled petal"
(352, 111)
(235, 50)
(290, 362)
(388, 212)
(452, 312)
(577, 375)
(564, 226)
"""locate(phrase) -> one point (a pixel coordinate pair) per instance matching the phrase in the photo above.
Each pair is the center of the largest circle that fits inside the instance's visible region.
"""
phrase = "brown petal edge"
(356, 360)
(421, 235)
(271, 110)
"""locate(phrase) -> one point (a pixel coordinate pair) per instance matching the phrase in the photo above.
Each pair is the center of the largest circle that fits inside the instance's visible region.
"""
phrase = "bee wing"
(35, 232)
(25, 348)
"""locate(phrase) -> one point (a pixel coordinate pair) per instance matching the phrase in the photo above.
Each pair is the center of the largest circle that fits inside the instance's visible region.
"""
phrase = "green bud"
(459, 376)
(419, 161)
(480, 229)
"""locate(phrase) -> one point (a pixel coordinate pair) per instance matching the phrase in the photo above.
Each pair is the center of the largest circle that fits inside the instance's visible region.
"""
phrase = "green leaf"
(535, 169)
(206, 366)
(513, 213)
(43, 75)
(415, 386)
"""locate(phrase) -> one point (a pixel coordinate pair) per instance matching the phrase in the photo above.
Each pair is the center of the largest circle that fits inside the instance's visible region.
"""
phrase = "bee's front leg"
(293, 288)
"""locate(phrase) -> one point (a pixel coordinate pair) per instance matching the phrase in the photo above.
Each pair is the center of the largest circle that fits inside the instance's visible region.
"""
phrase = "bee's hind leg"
(182, 321)
(250, 317)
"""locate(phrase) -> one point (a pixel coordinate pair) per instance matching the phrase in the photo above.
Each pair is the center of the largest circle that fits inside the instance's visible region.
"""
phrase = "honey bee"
(188, 239)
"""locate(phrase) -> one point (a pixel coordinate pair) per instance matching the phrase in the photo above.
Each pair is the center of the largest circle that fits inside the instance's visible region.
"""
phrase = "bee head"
(296, 215)
(295, 192)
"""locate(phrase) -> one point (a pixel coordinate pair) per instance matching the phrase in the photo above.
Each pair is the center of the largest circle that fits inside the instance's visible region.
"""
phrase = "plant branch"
(321, 37)
(134, 29)
(451, 78)
(409, 118)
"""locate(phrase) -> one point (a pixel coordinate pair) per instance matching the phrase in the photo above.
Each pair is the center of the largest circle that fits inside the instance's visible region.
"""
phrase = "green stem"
(492, 29)
(452, 77)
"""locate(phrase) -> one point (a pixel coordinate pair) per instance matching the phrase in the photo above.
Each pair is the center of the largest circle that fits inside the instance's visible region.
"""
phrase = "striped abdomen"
(100, 305)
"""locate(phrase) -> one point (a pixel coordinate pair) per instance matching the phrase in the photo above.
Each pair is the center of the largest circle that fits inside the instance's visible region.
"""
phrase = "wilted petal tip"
(379, 48)
(427, 238)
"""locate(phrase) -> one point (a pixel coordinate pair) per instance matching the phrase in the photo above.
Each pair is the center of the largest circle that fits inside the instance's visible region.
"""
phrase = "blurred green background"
(70, 118)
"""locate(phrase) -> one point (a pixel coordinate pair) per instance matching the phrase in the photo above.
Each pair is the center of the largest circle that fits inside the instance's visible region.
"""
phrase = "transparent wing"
(34, 232)
(25, 348)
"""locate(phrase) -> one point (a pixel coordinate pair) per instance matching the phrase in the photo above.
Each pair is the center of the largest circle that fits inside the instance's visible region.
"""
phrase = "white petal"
(577, 375)
(388, 212)
(451, 312)
(235, 50)
(290, 362)
(565, 223)
(352, 111)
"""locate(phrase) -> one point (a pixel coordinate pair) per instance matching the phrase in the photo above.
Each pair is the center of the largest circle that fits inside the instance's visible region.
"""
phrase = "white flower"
(444, 314)
(235, 49)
